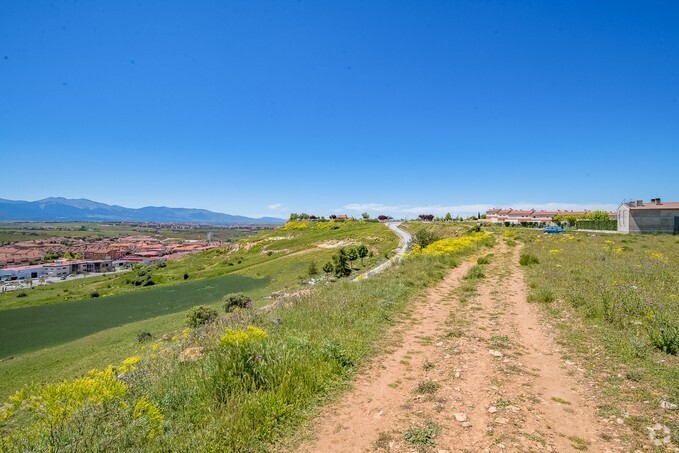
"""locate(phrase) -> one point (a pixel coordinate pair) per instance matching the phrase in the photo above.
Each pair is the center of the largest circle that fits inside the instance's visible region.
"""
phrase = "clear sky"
(262, 108)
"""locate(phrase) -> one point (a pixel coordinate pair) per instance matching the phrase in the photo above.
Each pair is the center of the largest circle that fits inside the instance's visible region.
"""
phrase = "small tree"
(341, 264)
(597, 215)
(328, 268)
(448, 217)
(426, 217)
(236, 300)
(312, 269)
(383, 217)
(352, 256)
(294, 216)
(425, 237)
(365, 216)
(362, 252)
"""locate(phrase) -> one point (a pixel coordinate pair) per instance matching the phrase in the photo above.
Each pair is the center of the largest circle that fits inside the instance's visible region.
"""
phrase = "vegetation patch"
(543, 295)
(526, 259)
(427, 387)
(422, 435)
(258, 376)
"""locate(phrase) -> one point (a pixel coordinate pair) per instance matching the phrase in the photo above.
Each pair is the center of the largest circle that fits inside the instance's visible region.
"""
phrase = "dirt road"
(469, 373)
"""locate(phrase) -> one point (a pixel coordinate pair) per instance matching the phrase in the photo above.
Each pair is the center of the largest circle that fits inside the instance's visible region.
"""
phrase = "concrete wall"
(652, 220)
(623, 219)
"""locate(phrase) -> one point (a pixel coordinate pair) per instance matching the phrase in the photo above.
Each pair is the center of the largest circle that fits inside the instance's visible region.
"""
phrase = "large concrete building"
(654, 217)
(60, 268)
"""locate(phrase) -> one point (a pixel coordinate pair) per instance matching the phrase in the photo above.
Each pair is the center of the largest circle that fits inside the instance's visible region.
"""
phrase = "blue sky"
(262, 108)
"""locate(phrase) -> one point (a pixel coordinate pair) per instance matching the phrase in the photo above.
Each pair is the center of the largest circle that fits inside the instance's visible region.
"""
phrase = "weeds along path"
(470, 370)
(374, 405)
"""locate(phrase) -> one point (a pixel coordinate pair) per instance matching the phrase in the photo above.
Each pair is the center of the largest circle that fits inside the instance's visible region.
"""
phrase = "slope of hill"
(64, 209)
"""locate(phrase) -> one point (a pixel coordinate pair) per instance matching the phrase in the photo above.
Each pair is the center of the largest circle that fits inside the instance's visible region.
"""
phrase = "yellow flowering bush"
(455, 244)
(128, 365)
(149, 411)
(555, 251)
(42, 408)
(296, 225)
(250, 334)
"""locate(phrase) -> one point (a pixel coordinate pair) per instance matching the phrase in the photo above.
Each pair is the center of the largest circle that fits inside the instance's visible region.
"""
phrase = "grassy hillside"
(251, 386)
(103, 330)
(290, 249)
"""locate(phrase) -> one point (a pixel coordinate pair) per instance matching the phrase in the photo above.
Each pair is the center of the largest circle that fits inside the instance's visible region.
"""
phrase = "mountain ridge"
(54, 209)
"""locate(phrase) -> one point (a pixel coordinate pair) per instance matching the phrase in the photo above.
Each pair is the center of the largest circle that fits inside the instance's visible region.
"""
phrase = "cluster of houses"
(519, 216)
(635, 216)
(20, 259)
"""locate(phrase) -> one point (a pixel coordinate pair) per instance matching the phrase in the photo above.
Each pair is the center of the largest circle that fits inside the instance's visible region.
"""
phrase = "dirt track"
(502, 384)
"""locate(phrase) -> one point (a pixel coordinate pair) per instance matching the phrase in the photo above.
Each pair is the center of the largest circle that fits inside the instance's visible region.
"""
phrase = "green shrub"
(424, 237)
(22, 294)
(94, 294)
(511, 242)
(201, 315)
(527, 259)
(236, 300)
(664, 334)
(143, 337)
(334, 351)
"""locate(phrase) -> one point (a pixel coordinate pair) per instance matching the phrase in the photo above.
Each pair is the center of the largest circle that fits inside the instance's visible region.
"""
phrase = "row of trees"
(305, 216)
(571, 219)
(449, 218)
(342, 263)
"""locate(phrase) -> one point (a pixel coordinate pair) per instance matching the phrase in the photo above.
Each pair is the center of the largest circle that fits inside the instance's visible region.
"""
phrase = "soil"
(490, 373)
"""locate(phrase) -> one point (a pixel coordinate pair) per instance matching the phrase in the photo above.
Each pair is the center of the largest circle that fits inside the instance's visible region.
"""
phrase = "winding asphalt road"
(405, 239)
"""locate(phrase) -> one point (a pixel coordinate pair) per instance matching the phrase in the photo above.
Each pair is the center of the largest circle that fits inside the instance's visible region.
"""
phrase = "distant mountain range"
(65, 210)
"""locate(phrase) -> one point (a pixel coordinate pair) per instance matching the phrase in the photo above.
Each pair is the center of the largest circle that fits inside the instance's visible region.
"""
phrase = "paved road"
(405, 239)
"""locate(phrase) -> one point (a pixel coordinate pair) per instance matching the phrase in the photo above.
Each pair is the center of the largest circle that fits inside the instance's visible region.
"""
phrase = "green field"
(31, 328)
(274, 261)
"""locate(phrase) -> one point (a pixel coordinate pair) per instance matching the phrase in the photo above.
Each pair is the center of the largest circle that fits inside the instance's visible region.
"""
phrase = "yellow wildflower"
(146, 409)
(250, 334)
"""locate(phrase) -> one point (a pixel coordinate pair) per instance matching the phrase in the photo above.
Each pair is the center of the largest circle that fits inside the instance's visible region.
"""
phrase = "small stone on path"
(460, 416)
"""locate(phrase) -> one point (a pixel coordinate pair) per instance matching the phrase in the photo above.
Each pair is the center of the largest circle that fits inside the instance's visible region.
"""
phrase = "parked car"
(553, 229)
